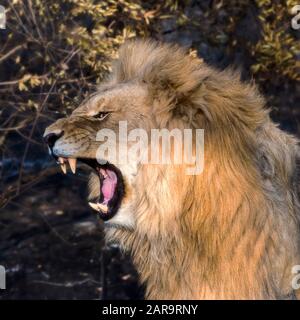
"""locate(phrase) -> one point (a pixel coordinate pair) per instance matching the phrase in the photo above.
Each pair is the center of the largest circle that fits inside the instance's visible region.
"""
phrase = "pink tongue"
(109, 185)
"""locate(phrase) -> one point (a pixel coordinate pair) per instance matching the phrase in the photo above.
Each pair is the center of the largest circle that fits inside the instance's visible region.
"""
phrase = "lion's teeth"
(98, 207)
(103, 207)
(63, 168)
(72, 163)
(103, 172)
(94, 206)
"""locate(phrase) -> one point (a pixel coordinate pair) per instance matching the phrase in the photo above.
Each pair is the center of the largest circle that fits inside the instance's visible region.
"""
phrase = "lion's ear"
(179, 95)
(170, 73)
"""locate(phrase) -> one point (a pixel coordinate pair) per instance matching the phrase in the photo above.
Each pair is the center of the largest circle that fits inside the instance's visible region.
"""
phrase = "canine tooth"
(103, 172)
(63, 168)
(94, 206)
(103, 207)
(72, 163)
(61, 160)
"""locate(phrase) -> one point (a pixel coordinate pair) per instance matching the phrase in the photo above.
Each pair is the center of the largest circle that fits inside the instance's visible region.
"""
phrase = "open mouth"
(111, 185)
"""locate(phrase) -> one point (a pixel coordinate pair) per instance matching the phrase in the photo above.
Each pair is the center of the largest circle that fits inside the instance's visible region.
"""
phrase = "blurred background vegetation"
(52, 54)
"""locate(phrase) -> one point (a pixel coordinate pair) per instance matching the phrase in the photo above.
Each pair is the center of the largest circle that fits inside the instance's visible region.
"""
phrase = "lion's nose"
(52, 137)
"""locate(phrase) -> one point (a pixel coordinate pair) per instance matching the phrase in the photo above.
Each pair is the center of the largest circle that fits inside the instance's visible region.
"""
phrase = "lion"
(230, 232)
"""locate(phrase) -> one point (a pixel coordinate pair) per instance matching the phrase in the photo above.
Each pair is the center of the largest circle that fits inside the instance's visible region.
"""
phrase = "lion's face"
(75, 138)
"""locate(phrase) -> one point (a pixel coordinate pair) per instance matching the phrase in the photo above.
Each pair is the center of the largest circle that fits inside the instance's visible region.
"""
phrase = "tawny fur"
(231, 232)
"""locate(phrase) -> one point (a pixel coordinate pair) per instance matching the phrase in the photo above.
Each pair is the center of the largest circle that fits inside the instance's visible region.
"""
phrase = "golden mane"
(233, 231)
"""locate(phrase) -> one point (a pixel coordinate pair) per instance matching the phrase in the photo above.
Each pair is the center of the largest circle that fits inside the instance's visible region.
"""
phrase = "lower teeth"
(103, 207)
(99, 207)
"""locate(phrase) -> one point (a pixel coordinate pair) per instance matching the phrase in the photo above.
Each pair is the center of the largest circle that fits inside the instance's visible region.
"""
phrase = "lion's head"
(148, 88)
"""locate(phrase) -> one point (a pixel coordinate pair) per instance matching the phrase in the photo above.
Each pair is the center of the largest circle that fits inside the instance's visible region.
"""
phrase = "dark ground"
(52, 247)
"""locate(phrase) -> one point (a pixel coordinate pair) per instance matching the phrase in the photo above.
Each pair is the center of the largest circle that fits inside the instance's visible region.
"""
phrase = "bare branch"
(11, 52)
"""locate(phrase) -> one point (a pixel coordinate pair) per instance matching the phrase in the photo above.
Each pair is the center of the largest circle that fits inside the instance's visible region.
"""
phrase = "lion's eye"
(101, 115)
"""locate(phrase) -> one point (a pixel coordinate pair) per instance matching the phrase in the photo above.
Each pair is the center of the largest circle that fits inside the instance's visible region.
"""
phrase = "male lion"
(231, 232)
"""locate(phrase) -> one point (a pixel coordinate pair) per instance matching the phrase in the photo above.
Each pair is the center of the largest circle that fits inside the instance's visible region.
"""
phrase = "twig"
(29, 139)
(11, 52)
(14, 82)
(67, 284)
(16, 128)
(20, 20)
(35, 21)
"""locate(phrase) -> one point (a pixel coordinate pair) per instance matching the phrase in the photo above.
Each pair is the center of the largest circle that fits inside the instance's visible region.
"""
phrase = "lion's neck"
(213, 242)
(224, 258)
